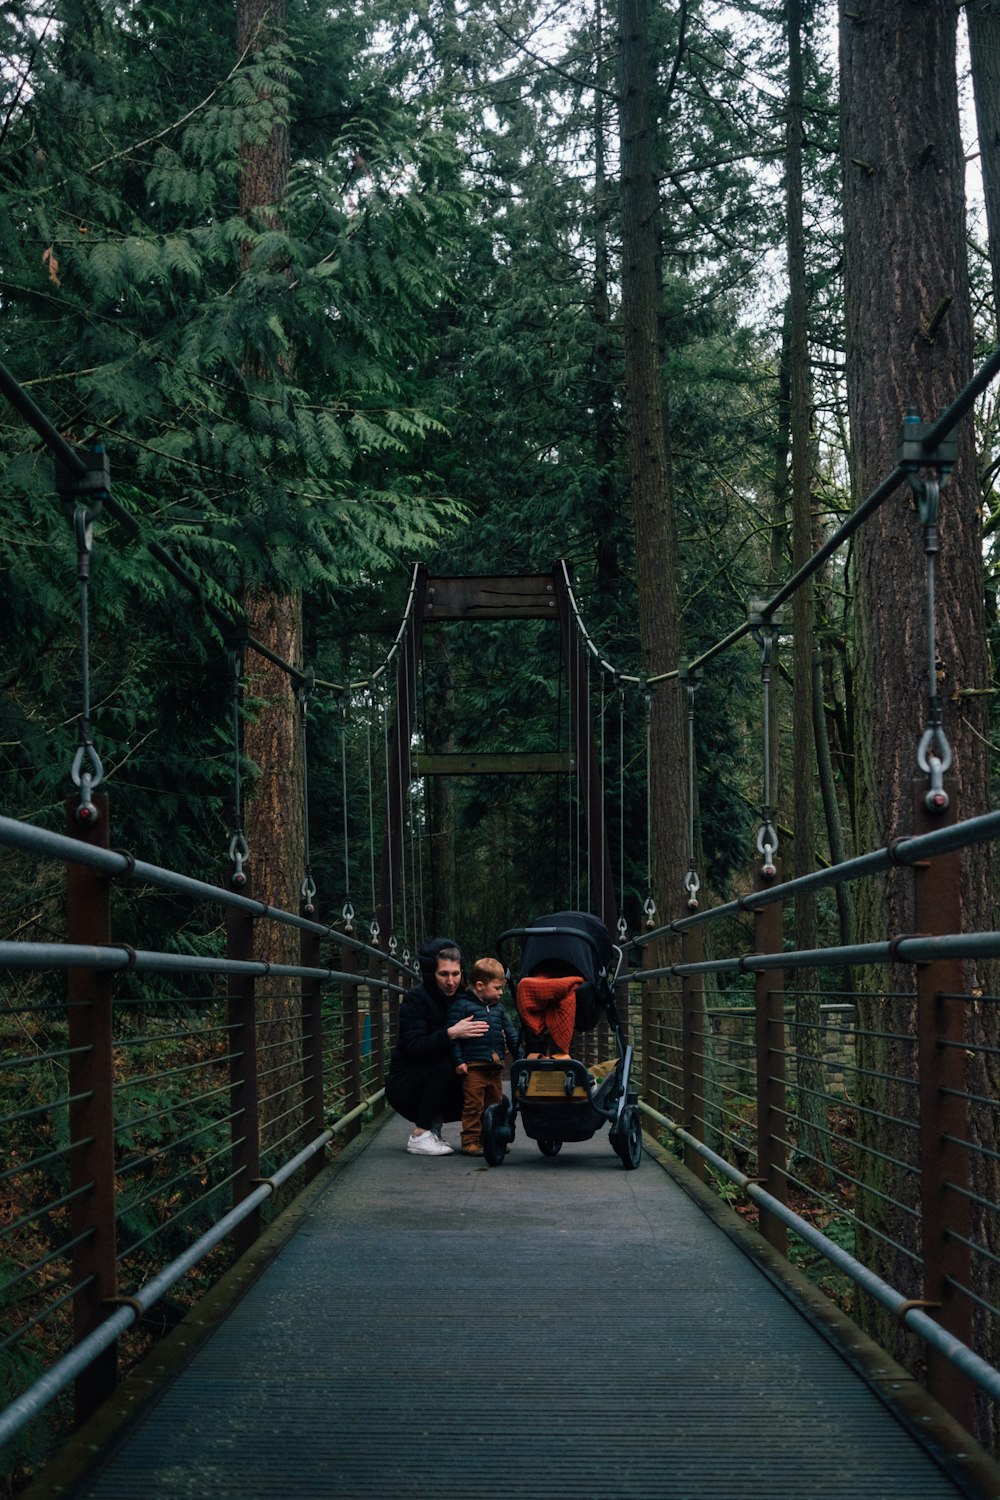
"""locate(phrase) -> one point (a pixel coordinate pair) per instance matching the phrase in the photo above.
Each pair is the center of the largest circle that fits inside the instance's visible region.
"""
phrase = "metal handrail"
(965, 1359)
(62, 1374)
(118, 863)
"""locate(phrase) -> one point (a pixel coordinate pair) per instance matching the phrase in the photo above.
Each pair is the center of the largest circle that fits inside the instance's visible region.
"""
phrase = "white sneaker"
(428, 1144)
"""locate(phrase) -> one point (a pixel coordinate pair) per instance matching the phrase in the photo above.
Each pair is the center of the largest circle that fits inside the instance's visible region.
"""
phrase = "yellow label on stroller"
(545, 1084)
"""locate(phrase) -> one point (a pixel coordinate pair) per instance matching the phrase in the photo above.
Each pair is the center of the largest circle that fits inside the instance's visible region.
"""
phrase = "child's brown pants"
(481, 1086)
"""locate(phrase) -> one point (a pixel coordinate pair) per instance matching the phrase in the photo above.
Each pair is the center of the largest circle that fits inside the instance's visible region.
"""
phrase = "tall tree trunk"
(606, 521)
(983, 18)
(272, 739)
(909, 344)
(813, 1139)
(649, 467)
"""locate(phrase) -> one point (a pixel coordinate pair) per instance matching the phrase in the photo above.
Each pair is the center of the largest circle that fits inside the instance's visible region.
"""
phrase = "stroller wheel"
(628, 1140)
(496, 1133)
(550, 1148)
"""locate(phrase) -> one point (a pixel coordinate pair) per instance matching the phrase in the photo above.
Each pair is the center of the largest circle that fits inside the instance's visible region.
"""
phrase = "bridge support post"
(91, 1110)
(351, 1038)
(946, 1213)
(648, 1024)
(312, 1046)
(383, 1006)
(693, 1047)
(244, 1094)
(769, 1010)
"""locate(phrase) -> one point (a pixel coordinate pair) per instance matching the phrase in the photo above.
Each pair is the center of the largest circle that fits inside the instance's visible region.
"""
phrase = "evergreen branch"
(578, 83)
(174, 125)
(23, 80)
(678, 55)
(726, 160)
(713, 229)
(169, 458)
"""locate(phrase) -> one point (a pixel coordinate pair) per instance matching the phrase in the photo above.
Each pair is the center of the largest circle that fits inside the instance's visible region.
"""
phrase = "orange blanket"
(549, 1005)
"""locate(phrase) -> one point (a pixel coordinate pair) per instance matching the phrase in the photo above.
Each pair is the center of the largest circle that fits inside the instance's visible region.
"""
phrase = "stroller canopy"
(582, 945)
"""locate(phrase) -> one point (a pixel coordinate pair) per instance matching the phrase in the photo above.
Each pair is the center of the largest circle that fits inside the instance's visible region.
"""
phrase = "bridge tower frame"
(523, 596)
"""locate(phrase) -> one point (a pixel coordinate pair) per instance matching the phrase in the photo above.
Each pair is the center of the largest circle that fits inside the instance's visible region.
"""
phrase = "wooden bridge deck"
(550, 1328)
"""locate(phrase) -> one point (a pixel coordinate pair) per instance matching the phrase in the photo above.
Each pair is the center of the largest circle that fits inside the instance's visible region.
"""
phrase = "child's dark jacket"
(490, 1046)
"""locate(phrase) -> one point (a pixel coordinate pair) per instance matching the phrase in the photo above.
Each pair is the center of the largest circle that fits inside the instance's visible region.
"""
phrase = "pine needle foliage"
(246, 376)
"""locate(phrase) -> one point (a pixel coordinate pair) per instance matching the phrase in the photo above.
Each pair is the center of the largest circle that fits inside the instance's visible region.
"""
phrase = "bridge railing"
(844, 1117)
(163, 1099)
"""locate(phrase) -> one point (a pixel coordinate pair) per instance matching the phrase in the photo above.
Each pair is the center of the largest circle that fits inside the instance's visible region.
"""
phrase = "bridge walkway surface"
(435, 1328)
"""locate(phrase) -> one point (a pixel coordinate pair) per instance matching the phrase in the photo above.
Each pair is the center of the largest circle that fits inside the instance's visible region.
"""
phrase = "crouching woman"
(422, 1085)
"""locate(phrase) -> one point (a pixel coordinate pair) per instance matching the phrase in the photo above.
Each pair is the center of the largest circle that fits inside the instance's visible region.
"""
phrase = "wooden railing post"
(91, 1110)
(944, 1114)
(244, 1097)
(769, 1012)
(693, 1047)
(314, 1120)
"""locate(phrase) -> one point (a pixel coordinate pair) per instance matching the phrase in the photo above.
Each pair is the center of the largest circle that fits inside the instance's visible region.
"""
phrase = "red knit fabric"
(546, 1004)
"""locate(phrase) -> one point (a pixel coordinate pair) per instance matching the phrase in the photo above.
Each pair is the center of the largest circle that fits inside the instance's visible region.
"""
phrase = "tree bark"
(272, 736)
(909, 345)
(813, 1139)
(606, 527)
(649, 465)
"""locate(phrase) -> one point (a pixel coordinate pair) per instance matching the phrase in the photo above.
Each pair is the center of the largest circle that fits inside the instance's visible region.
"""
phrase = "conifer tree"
(909, 347)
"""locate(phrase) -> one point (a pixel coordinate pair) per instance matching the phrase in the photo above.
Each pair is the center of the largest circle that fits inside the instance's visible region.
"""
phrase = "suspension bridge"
(222, 1271)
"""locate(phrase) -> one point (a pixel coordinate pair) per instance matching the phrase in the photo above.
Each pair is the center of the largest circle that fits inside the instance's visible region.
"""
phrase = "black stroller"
(558, 1098)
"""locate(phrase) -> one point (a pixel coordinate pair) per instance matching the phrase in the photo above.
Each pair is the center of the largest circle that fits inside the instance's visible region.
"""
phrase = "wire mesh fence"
(145, 1097)
(857, 1128)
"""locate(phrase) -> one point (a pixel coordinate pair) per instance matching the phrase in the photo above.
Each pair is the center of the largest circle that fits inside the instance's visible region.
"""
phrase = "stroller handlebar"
(576, 932)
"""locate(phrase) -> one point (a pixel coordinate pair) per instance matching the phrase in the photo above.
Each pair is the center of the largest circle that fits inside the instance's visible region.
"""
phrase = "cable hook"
(87, 781)
(239, 853)
(692, 885)
(767, 847)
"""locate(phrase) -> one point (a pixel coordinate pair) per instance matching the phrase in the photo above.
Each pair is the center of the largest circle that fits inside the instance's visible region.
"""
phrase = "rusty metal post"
(384, 1006)
(693, 1047)
(314, 1120)
(244, 1095)
(945, 1178)
(646, 1018)
(769, 1013)
(91, 1110)
(351, 1024)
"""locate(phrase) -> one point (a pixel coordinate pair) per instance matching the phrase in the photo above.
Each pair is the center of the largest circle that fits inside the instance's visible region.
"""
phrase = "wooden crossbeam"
(529, 597)
(514, 763)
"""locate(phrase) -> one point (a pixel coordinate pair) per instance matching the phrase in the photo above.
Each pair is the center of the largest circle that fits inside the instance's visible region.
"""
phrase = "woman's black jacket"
(423, 1030)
